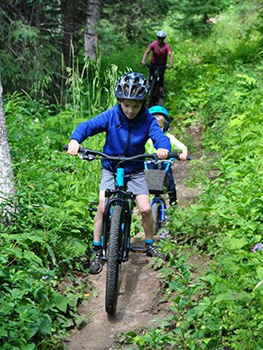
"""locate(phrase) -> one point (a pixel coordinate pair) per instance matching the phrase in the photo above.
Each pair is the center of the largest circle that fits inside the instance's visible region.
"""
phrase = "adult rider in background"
(160, 51)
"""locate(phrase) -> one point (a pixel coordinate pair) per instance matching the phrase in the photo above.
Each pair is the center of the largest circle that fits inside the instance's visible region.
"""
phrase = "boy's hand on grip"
(73, 147)
(162, 153)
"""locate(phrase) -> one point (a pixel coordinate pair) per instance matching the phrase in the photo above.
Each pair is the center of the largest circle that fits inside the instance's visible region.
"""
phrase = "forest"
(59, 61)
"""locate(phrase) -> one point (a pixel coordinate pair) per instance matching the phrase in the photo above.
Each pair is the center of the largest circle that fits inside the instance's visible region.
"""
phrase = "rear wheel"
(113, 262)
(157, 223)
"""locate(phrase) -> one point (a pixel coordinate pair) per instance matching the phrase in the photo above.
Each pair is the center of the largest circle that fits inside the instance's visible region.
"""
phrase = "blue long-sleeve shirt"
(124, 136)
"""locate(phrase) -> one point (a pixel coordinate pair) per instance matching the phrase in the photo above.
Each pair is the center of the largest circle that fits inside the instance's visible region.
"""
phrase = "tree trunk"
(68, 12)
(7, 188)
(90, 36)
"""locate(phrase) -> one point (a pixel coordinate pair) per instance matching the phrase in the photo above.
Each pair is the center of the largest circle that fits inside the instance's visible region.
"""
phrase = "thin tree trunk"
(90, 36)
(7, 188)
(68, 11)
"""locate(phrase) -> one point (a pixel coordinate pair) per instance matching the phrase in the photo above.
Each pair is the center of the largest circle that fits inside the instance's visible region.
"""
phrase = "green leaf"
(30, 346)
(45, 325)
(224, 297)
(61, 302)
(237, 243)
(3, 332)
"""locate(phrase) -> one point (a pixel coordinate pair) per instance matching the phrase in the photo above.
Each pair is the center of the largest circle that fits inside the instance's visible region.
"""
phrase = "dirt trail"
(137, 306)
(138, 303)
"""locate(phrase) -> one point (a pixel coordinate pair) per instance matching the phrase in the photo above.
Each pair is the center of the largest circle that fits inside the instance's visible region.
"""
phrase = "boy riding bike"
(164, 119)
(127, 125)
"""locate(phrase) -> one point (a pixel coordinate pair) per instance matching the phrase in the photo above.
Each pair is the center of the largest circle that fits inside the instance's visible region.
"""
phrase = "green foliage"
(196, 16)
(46, 234)
(130, 22)
(25, 61)
(217, 88)
(50, 236)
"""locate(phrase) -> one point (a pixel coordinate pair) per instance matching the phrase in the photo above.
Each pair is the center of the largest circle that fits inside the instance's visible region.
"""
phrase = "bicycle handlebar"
(86, 152)
(156, 66)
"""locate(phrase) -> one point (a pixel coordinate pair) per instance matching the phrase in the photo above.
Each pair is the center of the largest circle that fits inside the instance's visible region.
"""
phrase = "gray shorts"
(136, 182)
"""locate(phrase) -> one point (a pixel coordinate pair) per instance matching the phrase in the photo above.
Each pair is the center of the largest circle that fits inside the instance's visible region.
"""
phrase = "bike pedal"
(138, 250)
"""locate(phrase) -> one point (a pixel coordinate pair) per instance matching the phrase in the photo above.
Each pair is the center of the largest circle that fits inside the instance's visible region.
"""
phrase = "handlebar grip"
(81, 149)
(173, 155)
(176, 156)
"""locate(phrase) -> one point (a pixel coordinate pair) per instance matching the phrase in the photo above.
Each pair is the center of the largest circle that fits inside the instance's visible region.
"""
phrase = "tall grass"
(88, 91)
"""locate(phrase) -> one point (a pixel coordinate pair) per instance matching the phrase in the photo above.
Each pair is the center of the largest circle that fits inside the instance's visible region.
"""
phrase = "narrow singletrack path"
(138, 305)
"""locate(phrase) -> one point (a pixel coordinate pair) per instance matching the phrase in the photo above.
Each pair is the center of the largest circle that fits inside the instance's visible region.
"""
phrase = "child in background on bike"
(128, 125)
(164, 119)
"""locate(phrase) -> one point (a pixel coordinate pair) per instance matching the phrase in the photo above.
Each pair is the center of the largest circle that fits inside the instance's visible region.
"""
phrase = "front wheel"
(113, 262)
(153, 93)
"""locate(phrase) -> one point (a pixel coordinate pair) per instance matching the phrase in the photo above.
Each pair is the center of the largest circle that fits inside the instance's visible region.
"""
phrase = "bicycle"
(155, 97)
(116, 222)
(157, 181)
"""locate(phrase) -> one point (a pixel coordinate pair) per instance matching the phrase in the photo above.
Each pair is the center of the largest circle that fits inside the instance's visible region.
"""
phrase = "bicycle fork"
(161, 205)
(124, 235)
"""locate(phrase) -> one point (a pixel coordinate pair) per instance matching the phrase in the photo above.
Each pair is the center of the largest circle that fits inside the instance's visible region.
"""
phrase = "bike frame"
(126, 200)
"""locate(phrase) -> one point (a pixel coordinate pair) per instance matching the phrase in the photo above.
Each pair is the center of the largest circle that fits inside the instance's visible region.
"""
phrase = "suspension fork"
(107, 219)
(128, 210)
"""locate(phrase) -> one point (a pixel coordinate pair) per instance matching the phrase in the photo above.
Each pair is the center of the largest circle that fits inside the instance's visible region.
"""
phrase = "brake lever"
(86, 156)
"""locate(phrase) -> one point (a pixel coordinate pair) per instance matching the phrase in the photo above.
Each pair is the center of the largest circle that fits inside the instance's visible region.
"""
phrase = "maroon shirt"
(159, 56)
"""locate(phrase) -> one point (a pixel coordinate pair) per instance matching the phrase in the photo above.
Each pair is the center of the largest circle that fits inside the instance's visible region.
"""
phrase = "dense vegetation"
(217, 86)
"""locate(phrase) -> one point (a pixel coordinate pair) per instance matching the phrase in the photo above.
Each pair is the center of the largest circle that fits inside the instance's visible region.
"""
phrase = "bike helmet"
(133, 86)
(161, 34)
(164, 112)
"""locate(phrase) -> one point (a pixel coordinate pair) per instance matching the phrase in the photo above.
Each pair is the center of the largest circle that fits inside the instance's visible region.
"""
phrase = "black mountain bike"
(155, 98)
(116, 222)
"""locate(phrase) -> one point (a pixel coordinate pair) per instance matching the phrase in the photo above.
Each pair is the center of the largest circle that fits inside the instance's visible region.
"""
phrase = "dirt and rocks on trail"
(139, 302)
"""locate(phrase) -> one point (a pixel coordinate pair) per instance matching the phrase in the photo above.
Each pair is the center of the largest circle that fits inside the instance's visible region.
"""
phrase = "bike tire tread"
(113, 264)
(156, 218)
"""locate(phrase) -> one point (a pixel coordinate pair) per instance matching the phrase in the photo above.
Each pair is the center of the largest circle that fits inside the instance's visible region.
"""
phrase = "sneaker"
(153, 251)
(95, 262)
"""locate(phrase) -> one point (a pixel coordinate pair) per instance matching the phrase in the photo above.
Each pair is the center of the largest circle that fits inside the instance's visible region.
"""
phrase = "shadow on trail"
(131, 275)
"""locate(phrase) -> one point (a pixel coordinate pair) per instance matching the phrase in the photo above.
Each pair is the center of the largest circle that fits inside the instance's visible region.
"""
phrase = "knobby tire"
(113, 263)
(157, 224)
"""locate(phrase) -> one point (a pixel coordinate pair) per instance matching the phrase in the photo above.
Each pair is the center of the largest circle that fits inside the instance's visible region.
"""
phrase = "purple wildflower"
(257, 246)
(165, 234)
